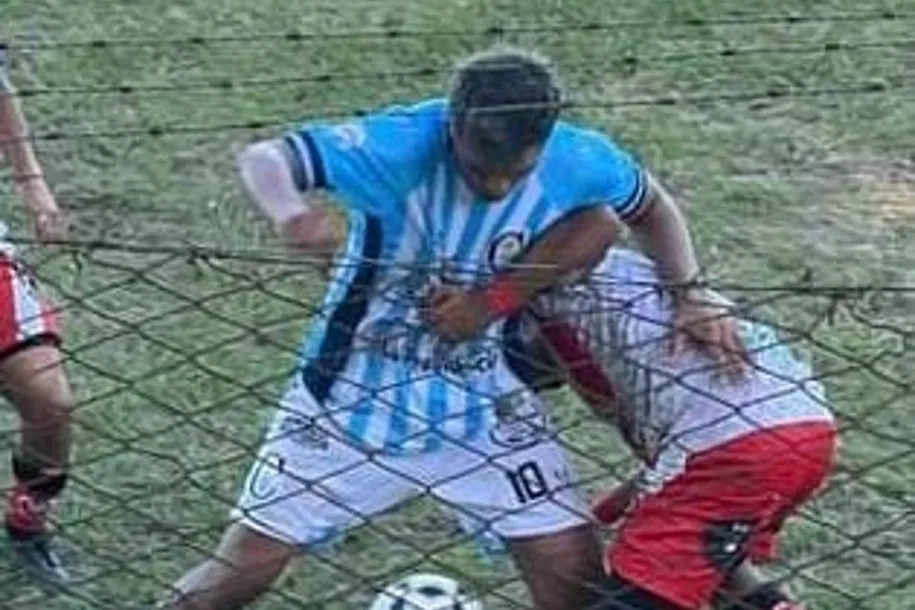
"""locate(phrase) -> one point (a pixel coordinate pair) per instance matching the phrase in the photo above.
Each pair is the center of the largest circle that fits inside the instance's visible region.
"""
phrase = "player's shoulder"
(576, 145)
(581, 158)
(426, 119)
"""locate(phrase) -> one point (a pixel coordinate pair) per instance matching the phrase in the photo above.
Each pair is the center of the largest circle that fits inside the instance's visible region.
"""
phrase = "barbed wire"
(293, 35)
(803, 281)
(631, 60)
(888, 84)
(166, 359)
(224, 263)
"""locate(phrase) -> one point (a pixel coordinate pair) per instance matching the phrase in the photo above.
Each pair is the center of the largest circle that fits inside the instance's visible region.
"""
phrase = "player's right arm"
(266, 172)
(371, 164)
(27, 174)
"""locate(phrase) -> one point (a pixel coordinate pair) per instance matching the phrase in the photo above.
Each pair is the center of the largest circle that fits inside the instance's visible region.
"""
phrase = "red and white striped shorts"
(26, 315)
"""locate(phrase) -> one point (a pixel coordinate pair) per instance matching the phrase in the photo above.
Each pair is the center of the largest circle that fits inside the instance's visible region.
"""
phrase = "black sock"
(765, 597)
(42, 482)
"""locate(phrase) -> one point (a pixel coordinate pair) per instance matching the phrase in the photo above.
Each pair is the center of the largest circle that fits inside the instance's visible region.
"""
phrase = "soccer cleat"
(30, 536)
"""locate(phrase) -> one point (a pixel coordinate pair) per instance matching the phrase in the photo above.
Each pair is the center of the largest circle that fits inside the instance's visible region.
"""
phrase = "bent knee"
(250, 553)
(36, 382)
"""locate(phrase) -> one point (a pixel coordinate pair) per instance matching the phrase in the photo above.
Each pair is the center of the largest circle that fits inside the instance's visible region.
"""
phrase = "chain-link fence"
(786, 133)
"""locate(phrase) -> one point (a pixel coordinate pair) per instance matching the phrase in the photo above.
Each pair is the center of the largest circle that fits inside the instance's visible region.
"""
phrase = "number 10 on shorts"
(528, 482)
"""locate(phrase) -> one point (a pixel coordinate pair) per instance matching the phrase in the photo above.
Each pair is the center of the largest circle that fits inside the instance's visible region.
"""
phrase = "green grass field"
(177, 357)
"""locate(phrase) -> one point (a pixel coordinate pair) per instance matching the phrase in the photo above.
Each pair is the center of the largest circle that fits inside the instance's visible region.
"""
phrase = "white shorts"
(308, 484)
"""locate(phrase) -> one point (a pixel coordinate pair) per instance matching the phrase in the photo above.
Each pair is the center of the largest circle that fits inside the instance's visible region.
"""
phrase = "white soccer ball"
(425, 592)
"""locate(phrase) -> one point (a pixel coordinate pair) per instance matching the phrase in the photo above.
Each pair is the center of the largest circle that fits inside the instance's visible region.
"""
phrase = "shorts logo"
(726, 543)
(350, 135)
(518, 421)
(264, 477)
(504, 249)
(303, 431)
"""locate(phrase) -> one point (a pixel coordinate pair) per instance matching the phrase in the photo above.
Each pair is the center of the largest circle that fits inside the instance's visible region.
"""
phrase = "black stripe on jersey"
(317, 163)
(636, 201)
(319, 375)
(307, 165)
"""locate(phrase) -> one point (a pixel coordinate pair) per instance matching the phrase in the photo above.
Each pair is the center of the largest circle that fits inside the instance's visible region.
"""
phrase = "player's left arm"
(27, 173)
(662, 230)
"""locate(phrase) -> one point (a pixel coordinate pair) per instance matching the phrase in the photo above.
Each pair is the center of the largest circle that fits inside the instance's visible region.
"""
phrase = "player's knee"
(46, 427)
(50, 411)
(245, 566)
(254, 557)
(35, 382)
(562, 570)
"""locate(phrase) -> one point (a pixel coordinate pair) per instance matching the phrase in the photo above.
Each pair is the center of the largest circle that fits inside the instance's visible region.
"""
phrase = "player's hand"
(50, 223)
(456, 315)
(712, 330)
(610, 506)
(312, 233)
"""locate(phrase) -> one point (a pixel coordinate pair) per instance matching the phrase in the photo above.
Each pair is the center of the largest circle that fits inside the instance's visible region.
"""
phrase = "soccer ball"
(425, 592)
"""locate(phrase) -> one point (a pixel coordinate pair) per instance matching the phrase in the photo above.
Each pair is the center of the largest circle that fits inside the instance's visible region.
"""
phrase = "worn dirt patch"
(886, 187)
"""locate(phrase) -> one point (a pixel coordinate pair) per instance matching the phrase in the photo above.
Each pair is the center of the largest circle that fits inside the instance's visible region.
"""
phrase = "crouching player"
(726, 460)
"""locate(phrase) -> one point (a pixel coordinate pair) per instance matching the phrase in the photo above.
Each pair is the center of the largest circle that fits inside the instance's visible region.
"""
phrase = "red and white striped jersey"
(612, 332)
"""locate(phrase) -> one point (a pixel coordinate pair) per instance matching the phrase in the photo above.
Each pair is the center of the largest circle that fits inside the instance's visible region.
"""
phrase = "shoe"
(30, 536)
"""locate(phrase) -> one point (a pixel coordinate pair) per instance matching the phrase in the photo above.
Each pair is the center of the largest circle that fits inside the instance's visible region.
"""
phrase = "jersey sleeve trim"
(637, 200)
(306, 163)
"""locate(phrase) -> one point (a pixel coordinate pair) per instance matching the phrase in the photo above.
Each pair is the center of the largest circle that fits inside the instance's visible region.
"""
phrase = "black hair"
(504, 101)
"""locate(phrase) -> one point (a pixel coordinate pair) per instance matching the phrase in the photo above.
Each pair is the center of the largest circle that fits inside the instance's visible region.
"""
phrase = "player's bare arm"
(662, 231)
(266, 172)
(27, 172)
(574, 243)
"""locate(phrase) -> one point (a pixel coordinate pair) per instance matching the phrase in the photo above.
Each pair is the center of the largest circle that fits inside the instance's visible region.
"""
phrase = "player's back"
(681, 404)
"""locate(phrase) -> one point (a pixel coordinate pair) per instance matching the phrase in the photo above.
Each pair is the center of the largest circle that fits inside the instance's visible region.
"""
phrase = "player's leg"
(519, 483)
(33, 380)
(561, 569)
(305, 486)
(245, 565)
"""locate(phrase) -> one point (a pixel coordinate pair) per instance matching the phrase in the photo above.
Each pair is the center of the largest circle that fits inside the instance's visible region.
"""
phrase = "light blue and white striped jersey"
(385, 378)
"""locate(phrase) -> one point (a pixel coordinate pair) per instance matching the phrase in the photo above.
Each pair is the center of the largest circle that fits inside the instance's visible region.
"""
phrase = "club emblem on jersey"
(351, 135)
(518, 420)
(504, 249)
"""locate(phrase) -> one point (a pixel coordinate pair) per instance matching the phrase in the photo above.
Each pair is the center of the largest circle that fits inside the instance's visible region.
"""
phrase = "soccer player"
(440, 193)
(32, 376)
(726, 461)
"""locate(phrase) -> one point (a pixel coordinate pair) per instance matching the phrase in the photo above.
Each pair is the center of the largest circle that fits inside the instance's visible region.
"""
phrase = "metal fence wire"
(179, 352)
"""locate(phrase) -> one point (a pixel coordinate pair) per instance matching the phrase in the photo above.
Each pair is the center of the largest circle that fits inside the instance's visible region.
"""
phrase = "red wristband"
(503, 298)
